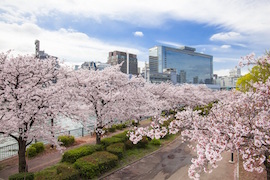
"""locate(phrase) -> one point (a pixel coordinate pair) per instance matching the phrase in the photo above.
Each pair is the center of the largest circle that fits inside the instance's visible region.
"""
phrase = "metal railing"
(12, 149)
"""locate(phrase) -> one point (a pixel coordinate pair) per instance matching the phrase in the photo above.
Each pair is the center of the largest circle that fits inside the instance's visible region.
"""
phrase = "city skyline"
(79, 31)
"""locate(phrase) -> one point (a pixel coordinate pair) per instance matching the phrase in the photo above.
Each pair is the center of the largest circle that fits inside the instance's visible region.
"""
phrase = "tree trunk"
(21, 152)
(98, 134)
(267, 164)
(98, 138)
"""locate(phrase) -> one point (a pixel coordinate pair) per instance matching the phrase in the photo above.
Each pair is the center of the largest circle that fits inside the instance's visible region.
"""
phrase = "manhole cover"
(171, 156)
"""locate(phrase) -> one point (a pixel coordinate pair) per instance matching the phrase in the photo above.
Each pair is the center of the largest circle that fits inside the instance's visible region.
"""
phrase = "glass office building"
(191, 67)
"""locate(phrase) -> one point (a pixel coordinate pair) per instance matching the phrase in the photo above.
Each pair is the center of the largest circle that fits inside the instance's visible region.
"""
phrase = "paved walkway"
(172, 163)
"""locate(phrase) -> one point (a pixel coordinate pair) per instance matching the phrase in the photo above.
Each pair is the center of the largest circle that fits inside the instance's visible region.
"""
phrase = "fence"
(12, 149)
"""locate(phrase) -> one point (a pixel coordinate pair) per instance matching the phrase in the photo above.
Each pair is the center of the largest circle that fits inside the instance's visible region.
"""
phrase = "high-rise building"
(229, 82)
(117, 57)
(41, 54)
(191, 67)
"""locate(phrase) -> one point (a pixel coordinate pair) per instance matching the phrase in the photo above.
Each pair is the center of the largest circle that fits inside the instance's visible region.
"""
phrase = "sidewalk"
(171, 163)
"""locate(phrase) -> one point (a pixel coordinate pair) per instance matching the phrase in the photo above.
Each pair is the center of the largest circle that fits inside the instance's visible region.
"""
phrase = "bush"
(129, 144)
(67, 171)
(117, 149)
(122, 136)
(95, 164)
(135, 123)
(110, 140)
(22, 176)
(112, 129)
(142, 143)
(48, 173)
(120, 126)
(39, 147)
(67, 140)
(72, 155)
(31, 151)
(35, 149)
(155, 142)
(63, 171)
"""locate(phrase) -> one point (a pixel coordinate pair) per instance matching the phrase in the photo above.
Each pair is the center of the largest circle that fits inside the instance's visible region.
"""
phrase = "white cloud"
(138, 34)
(225, 59)
(75, 47)
(239, 16)
(226, 36)
(225, 46)
(241, 23)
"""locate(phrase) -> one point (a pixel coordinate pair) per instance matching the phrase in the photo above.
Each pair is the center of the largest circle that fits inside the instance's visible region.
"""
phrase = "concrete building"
(41, 54)
(130, 62)
(91, 65)
(190, 66)
(229, 82)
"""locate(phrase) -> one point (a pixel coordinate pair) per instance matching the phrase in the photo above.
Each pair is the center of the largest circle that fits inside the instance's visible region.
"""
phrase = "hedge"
(31, 152)
(117, 149)
(122, 136)
(22, 176)
(35, 149)
(112, 128)
(67, 140)
(39, 147)
(155, 142)
(72, 155)
(96, 164)
(63, 171)
(142, 143)
(110, 140)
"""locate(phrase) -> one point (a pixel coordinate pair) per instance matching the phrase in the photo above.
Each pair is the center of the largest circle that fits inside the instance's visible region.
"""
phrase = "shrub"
(48, 173)
(142, 143)
(117, 149)
(122, 136)
(67, 140)
(112, 129)
(155, 142)
(120, 126)
(72, 155)
(95, 164)
(135, 123)
(67, 171)
(63, 171)
(31, 151)
(22, 176)
(110, 140)
(129, 144)
(39, 147)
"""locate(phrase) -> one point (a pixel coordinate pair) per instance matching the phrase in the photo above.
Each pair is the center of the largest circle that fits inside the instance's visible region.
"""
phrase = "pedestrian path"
(171, 163)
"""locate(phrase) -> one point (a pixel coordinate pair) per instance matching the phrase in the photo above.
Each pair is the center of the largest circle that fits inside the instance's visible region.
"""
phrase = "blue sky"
(86, 30)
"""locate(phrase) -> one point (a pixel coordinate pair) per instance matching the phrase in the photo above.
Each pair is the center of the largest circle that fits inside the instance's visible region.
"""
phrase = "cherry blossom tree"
(172, 97)
(237, 123)
(112, 97)
(32, 92)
